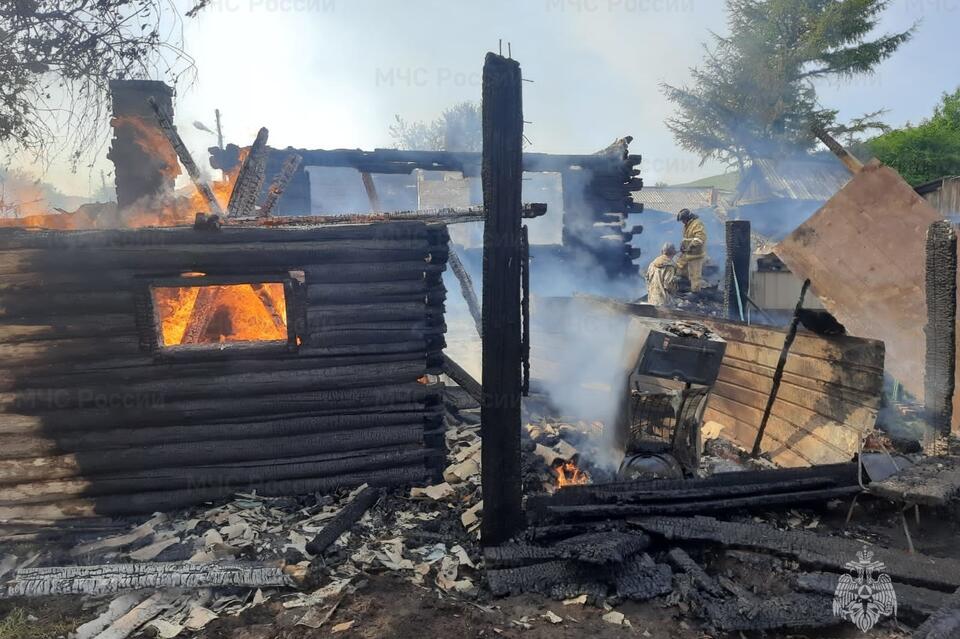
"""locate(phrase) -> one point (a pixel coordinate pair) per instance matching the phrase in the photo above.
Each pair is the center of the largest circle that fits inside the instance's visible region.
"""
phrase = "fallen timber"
(96, 580)
(944, 623)
(250, 177)
(463, 379)
(730, 607)
(170, 132)
(810, 549)
(279, 184)
(724, 491)
(344, 520)
(916, 602)
(451, 215)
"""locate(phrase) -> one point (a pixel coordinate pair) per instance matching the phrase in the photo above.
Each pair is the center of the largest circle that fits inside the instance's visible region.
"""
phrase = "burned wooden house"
(148, 369)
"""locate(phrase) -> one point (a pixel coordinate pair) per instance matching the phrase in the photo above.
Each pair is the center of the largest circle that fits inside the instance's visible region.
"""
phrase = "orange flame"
(25, 207)
(219, 314)
(569, 474)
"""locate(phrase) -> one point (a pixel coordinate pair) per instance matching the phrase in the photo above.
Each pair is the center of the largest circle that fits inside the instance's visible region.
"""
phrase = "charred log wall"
(596, 204)
(97, 418)
(597, 190)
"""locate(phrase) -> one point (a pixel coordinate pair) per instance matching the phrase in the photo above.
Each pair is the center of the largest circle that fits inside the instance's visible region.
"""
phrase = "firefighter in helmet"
(692, 249)
(662, 277)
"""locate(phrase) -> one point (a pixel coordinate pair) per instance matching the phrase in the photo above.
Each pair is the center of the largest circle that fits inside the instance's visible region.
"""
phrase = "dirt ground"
(386, 606)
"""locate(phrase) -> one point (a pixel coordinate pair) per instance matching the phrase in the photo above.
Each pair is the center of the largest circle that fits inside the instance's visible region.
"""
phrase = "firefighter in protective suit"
(662, 277)
(692, 249)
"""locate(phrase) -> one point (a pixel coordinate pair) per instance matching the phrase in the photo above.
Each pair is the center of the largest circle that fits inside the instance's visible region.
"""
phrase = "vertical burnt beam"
(941, 293)
(144, 165)
(500, 409)
(737, 271)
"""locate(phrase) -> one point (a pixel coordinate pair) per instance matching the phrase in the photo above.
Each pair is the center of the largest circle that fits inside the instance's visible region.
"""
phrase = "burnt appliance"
(666, 394)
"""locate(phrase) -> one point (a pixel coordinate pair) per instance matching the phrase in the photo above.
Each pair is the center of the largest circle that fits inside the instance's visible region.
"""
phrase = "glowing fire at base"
(569, 474)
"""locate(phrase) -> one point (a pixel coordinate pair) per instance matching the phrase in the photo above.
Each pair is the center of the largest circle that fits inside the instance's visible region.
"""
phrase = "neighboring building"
(777, 196)
(944, 195)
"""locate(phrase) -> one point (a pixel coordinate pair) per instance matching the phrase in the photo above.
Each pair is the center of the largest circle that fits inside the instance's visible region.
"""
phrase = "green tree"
(459, 128)
(755, 95)
(58, 56)
(926, 151)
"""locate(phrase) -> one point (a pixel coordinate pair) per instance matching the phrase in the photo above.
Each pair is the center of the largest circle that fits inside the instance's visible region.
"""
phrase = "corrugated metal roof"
(793, 179)
(674, 198)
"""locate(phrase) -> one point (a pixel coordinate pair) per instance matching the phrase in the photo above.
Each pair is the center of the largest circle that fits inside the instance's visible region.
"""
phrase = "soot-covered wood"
(500, 409)
(98, 420)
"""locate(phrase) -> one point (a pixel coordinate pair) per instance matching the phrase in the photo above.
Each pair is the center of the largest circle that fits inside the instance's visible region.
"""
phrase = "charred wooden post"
(941, 328)
(246, 190)
(778, 373)
(737, 280)
(500, 409)
(170, 132)
(371, 190)
(141, 170)
(466, 288)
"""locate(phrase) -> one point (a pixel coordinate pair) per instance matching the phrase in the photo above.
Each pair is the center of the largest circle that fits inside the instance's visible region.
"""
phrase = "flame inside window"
(219, 314)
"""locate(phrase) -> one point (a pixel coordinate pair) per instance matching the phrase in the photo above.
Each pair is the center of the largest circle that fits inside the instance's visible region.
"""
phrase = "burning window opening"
(219, 314)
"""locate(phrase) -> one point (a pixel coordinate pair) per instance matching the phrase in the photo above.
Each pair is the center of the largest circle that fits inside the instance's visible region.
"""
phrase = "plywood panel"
(864, 255)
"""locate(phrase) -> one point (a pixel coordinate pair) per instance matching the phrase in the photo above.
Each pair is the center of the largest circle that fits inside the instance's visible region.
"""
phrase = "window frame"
(152, 334)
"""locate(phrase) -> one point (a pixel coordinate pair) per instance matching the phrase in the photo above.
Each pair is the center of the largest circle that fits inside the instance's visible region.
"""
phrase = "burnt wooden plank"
(12, 238)
(502, 173)
(20, 446)
(165, 500)
(344, 520)
(164, 455)
(640, 579)
(149, 411)
(791, 611)
(225, 386)
(237, 474)
(942, 624)
(808, 548)
(557, 579)
(915, 602)
(463, 379)
(606, 511)
(686, 564)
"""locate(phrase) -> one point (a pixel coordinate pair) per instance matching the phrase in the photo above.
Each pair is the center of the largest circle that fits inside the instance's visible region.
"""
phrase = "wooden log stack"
(99, 417)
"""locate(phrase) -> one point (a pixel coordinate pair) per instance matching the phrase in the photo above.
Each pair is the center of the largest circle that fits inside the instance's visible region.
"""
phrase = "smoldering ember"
(482, 379)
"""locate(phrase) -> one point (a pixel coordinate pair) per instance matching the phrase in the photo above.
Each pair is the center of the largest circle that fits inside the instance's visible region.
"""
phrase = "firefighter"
(692, 249)
(662, 277)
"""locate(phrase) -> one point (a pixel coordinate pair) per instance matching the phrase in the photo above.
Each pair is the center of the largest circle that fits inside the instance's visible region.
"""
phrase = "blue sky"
(333, 73)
